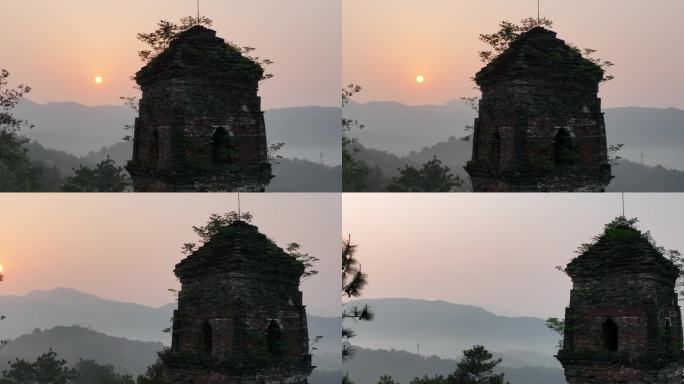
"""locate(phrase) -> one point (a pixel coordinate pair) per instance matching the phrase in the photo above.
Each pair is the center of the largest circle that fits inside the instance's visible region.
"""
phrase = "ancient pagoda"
(240, 317)
(623, 324)
(200, 124)
(540, 125)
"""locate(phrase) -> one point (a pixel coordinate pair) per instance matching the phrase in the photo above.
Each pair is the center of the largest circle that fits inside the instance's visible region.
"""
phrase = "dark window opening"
(610, 335)
(496, 147)
(667, 336)
(207, 337)
(274, 339)
(175, 343)
(564, 148)
(222, 150)
(154, 147)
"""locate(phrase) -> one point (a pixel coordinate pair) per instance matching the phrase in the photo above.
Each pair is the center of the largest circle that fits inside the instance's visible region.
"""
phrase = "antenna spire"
(198, 12)
(623, 204)
(538, 13)
(239, 208)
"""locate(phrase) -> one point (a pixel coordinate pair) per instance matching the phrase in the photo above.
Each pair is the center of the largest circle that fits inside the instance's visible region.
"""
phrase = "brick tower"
(623, 324)
(540, 125)
(240, 317)
(200, 125)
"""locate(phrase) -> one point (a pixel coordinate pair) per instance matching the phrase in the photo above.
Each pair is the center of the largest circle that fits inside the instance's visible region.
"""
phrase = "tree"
(438, 379)
(106, 177)
(154, 374)
(386, 379)
(307, 260)
(476, 367)
(432, 177)
(557, 325)
(160, 39)
(17, 171)
(47, 369)
(354, 172)
(353, 283)
(90, 372)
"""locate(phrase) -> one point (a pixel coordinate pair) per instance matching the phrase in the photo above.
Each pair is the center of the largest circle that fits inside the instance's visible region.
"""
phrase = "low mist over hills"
(67, 307)
(447, 329)
(74, 343)
(396, 128)
(367, 366)
(311, 133)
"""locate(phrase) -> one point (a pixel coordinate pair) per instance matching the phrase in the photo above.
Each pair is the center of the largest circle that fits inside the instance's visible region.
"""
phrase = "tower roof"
(539, 54)
(240, 247)
(622, 249)
(199, 53)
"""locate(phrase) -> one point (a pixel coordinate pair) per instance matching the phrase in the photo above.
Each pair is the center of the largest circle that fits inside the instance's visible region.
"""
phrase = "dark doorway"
(496, 147)
(223, 152)
(154, 147)
(610, 335)
(207, 337)
(275, 340)
(564, 148)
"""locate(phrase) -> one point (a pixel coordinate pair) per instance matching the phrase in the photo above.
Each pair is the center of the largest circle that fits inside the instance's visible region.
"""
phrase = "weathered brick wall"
(239, 283)
(196, 90)
(623, 281)
(536, 89)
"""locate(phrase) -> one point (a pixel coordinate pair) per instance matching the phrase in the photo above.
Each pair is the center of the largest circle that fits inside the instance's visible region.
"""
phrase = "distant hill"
(127, 356)
(454, 153)
(74, 343)
(77, 129)
(447, 329)
(368, 365)
(399, 129)
(67, 307)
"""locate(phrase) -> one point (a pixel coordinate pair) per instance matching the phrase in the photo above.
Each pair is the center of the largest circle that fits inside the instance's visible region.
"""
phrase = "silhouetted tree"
(17, 171)
(439, 379)
(353, 283)
(476, 367)
(354, 172)
(47, 369)
(106, 177)
(90, 372)
(432, 177)
(386, 379)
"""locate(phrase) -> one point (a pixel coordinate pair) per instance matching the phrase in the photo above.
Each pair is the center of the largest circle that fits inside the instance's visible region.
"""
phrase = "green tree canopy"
(105, 177)
(17, 171)
(476, 367)
(47, 369)
(432, 177)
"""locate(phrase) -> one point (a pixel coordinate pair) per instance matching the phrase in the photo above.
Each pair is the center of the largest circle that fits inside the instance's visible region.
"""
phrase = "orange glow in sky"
(386, 42)
(98, 79)
(420, 79)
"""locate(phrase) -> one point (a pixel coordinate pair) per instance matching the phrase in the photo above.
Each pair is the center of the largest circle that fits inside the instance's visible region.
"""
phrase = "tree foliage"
(354, 280)
(47, 369)
(432, 177)
(476, 367)
(105, 177)
(158, 40)
(354, 172)
(17, 172)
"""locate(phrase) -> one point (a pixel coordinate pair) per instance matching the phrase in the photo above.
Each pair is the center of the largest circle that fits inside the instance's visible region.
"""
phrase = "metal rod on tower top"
(198, 13)
(623, 204)
(538, 13)
(239, 208)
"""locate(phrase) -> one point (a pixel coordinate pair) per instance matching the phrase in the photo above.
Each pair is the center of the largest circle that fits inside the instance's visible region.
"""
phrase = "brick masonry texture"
(240, 316)
(623, 324)
(540, 125)
(200, 125)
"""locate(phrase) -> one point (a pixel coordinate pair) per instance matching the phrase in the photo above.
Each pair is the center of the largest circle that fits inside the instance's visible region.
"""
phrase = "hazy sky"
(124, 246)
(387, 43)
(497, 251)
(60, 46)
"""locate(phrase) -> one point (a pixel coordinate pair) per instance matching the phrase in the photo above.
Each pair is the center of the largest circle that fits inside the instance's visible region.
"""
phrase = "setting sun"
(99, 79)
(1, 268)
(420, 79)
